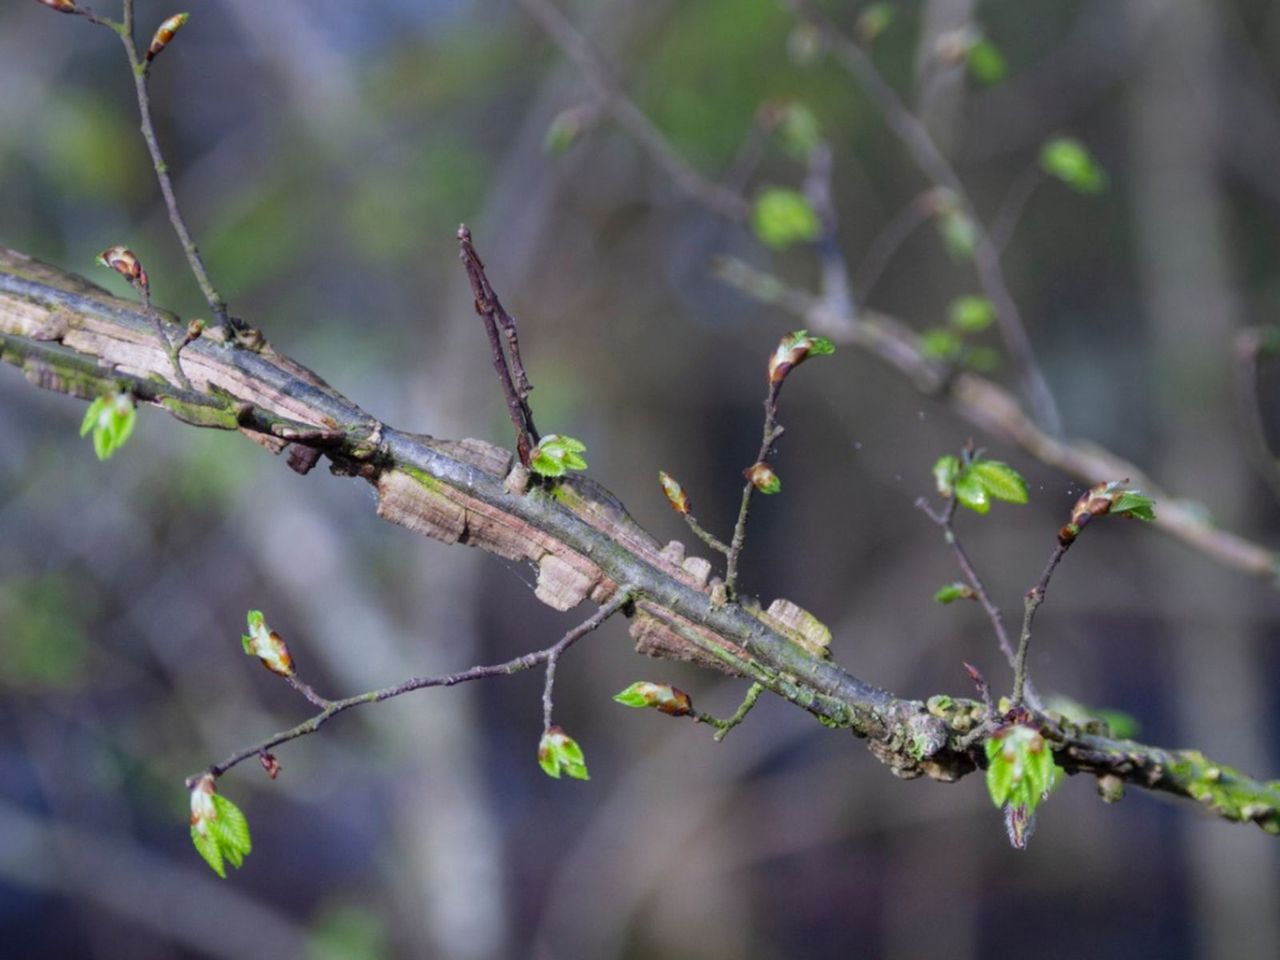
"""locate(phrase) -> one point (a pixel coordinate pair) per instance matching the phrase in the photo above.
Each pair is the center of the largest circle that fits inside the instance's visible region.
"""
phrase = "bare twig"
(171, 350)
(1252, 345)
(331, 708)
(1035, 597)
(705, 535)
(772, 431)
(917, 212)
(836, 288)
(724, 726)
(1009, 213)
(594, 71)
(509, 367)
(553, 653)
(124, 30)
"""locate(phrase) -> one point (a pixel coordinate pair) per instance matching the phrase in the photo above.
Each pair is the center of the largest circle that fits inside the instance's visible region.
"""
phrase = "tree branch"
(584, 542)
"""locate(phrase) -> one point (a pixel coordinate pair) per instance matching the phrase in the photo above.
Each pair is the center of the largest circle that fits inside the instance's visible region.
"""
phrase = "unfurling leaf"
(676, 496)
(783, 217)
(1104, 498)
(971, 314)
(555, 455)
(1020, 773)
(559, 753)
(112, 419)
(165, 33)
(793, 349)
(265, 644)
(126, 263)
(944, 474)
(660, 696)
(1070, 161)
(1132, 503)
(763, 478)
(219, 829)
(953, 592)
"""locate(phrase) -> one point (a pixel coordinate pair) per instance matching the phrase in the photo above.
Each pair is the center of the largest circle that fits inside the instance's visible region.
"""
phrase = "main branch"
(70, 336)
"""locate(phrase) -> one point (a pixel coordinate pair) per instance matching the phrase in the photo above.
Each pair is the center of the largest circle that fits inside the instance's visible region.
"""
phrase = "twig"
(169, 348)
(1252, 344)
(920, 145)
(837, 290)
(946, 520)
(890, 239)
(592, 66)
(324, 703)
(331, 708)
(772, 431)
(1035, 597)
(1009, 213)
(140, 71)
(724, 726)
(994, 410)
(515, 384)
(705, 535)
(620, 599)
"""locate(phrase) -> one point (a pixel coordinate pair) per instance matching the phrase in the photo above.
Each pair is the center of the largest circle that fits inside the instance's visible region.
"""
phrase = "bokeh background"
(325, 152)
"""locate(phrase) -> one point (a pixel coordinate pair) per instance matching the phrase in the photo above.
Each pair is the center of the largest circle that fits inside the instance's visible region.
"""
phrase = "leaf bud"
(676, 496)
(165, 33)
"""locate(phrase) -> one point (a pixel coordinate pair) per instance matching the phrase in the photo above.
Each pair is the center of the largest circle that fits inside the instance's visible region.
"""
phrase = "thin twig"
(217, 305)
(622, 597)
(331, 708)
(171, 351)
(705, 535)
(918, 211)
(724, 726)
(1251, 346)
(1035, 597)
(515, 384)
(772, 431)
(914, 135)
(1009, 214)
(946, 520)
(594, 71)
(994, 410)
(836, 288)
(308, 691)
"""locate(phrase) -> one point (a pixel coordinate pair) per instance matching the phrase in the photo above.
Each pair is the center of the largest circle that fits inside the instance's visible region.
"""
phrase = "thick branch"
(584, 542)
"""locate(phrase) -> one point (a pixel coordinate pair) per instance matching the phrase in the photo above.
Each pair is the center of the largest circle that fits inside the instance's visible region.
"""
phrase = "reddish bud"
(269, 764)
(126, 263)
(164, 33)
(763, 478)
(62, 6)
(675, 493)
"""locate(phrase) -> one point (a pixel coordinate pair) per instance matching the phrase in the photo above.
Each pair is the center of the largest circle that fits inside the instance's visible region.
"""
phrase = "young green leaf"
(959, 232)
(1020, 773)
(944, 474)
(939, 343)
(971, 492)
(953, 592)
(1132, 503)
(219, 830)
(986, 62)
(1070, 161)
(112, 419)
(1000, 480)
(559, 753)
(971, 314)
(873, 21)
(556, 454)
(763, 478)
(783, 217)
